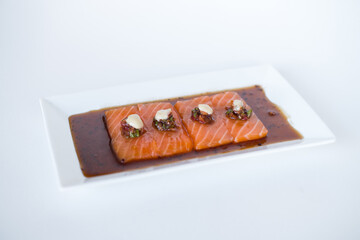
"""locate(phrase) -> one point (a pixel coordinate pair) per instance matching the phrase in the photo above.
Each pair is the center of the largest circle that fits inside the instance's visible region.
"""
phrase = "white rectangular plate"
(56, 111)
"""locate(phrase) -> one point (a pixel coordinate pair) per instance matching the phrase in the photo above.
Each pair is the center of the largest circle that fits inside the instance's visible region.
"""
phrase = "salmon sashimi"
(241, 130)
(203, 135)
(129, 149)
(167, 142)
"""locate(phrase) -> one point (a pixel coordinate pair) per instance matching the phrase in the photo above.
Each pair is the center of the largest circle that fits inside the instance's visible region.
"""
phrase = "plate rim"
(47, 102)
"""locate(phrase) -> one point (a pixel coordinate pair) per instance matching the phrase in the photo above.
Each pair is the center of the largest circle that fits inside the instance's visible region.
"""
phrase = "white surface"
(58, 109)
(56, 47)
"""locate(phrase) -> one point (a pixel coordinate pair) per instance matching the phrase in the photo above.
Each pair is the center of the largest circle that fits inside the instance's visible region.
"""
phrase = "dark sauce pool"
(92, 142)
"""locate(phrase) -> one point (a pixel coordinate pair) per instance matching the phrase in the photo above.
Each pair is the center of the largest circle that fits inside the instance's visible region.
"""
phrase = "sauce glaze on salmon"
(167, 142)
(203, 135)
(241, 130)
(129, 149)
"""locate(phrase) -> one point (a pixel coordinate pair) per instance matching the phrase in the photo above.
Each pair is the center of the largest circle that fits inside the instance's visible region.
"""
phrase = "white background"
(55, 47)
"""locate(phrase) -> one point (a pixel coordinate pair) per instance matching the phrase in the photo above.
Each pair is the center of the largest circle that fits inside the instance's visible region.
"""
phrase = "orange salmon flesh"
(189, 134)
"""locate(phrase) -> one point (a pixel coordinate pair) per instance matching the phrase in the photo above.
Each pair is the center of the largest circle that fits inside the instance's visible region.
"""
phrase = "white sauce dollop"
(135, 121)
(162, 114)
(205, 108)
(237, 105)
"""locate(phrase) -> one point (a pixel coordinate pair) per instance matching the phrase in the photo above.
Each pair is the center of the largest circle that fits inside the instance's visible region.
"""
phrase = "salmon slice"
(241, 130)
(167, 142)
(203, 135)
(129, 149)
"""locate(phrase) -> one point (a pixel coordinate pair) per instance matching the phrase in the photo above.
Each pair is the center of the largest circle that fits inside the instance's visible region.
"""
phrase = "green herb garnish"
(249, 113)
(135, 133)
(228, 111)
(165, 124)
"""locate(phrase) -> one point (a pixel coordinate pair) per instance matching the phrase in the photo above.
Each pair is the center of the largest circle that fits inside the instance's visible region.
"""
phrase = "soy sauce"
(92, 142)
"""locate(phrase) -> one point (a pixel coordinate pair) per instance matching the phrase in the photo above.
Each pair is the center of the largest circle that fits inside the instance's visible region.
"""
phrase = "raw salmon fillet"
(167, 142)
(241, 130)
(203, 135)
(129, 149)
